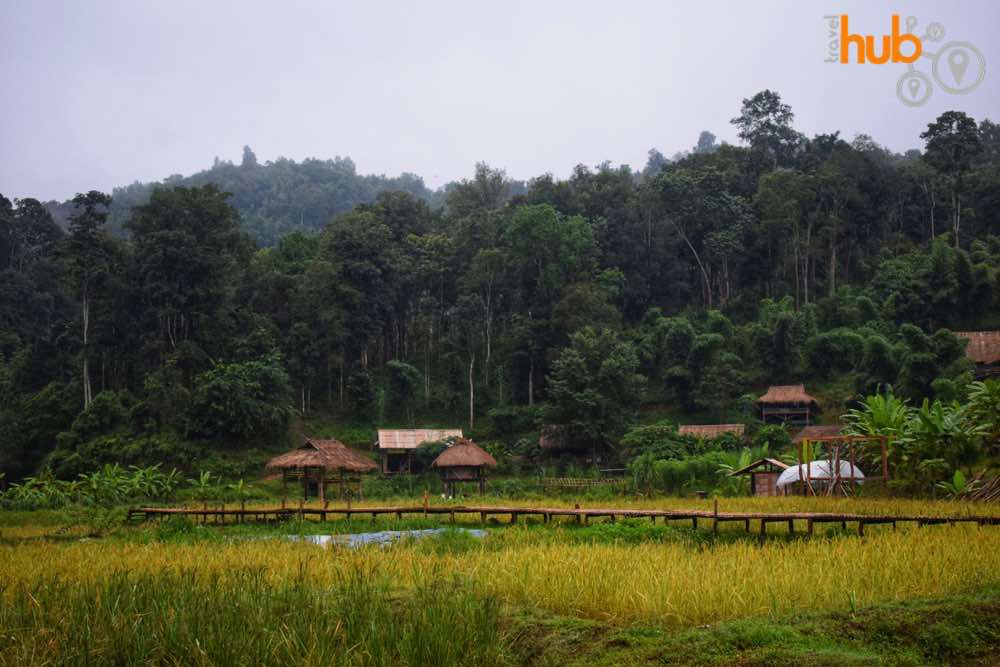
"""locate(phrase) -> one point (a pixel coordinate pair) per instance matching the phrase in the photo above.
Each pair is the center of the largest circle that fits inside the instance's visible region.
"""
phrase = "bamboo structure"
(840, 448)
(319, 463)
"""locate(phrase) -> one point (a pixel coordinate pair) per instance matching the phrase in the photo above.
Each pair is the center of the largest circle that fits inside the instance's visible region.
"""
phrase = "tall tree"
(765, 123)
(187, 249)
(88, 261)
(953, 143)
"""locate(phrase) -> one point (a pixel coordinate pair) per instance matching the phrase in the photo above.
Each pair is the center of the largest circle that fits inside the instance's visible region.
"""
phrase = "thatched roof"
(790, 393)
(464, 454)
(709, 431)
(328, 454)
(775, 463)
(817, 431)
(983, 347)
(414, 437)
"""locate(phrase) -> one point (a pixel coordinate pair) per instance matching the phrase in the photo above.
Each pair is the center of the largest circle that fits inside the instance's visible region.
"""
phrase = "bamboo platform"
(712, 518)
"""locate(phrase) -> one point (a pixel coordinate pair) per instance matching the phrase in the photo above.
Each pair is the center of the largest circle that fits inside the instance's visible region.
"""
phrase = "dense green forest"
(202, 314)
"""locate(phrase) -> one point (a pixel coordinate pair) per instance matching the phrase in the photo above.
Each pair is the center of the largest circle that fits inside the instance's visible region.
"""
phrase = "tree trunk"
(472, 391)
(956, 214)
(832, 271)
(531, 379)
(427, 365)
(341, 387)
(87, 396)
(706, 287)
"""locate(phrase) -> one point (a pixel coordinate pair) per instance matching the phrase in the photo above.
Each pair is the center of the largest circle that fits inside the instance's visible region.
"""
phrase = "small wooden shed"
(396, 446)
(320, 462)
(787, 404)
(764, 474)
(464, 461)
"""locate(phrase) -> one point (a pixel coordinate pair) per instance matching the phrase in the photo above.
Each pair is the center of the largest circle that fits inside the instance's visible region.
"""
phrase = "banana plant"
(958, 486)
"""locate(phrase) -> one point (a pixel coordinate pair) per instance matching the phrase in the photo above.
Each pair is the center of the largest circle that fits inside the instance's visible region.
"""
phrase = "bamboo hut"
(320, 462)
(983, 350)
(787, 404)
(464, 461)
(396, 446)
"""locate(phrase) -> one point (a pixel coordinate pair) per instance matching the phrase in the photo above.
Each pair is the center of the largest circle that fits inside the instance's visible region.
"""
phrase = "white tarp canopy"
(819, 471)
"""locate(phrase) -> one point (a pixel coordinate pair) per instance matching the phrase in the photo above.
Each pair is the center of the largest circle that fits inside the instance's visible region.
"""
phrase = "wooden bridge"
(712, 518)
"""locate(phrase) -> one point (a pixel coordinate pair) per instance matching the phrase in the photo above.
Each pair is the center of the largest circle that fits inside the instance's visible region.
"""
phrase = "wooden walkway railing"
(580, 482)
(708, 517)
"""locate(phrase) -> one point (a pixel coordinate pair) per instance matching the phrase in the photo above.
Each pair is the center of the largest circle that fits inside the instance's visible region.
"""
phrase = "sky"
(100, 93)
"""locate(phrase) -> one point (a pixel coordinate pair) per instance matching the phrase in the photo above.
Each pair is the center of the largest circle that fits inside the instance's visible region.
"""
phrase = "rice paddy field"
(177, 592)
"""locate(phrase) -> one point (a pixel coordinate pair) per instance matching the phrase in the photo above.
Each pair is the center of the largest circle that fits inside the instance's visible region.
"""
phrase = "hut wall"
(765, 484)
(786, 413)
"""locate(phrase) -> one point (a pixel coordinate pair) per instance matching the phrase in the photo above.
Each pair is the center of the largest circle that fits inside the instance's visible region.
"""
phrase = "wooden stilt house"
(464, 461)
(318, 463)
(787, 404)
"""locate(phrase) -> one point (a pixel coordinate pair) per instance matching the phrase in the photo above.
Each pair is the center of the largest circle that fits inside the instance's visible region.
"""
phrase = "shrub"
(243, 399)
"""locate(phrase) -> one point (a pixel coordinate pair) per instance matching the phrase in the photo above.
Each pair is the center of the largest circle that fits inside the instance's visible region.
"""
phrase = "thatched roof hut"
(787, 403)
(326, 454)
(709, 431)
(983, 349)
(319, 462)
(464, 461)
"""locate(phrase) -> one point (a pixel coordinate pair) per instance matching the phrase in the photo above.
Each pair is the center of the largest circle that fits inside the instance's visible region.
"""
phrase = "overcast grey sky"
(101, 93)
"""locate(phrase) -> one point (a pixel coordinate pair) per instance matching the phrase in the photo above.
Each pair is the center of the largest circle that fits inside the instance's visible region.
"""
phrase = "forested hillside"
(690, 284)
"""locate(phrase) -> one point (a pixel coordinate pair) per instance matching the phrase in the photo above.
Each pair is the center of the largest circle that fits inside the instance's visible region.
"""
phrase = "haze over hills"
(273, 198)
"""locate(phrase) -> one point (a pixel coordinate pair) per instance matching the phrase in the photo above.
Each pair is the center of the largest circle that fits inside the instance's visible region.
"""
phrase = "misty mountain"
(273, 198)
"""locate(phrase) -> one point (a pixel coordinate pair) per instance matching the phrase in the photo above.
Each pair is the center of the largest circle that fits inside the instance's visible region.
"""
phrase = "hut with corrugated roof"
(817, 432)
(396, 446)
(320, 462)
(464, 461)
(787, 404)
(709, 431)
(983, 350)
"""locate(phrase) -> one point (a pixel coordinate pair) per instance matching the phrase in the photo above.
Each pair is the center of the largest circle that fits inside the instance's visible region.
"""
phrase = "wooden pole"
(885, 458)
(715, 517)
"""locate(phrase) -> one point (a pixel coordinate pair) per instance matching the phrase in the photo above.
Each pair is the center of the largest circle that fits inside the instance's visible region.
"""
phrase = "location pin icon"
(958, 62)
(914, 86)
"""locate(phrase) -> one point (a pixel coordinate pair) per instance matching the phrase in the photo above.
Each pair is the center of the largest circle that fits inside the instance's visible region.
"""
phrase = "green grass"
(956, 630)
(190, 619)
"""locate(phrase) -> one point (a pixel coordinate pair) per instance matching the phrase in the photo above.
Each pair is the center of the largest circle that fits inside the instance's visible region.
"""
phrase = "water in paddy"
(380, 537)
